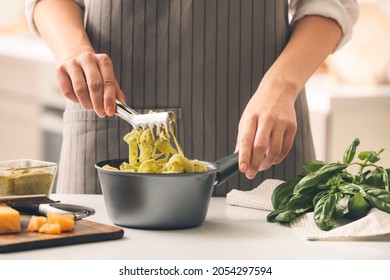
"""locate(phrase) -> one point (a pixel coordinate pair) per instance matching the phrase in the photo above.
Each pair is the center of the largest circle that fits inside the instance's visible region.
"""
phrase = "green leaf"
(373, 157)
(284, 190)
(363, 155)
(303, 201)
(370, 156)
(282, 215)
(286, 216)
(271, 217)
(350, 188)
(341, 206)
(385, 178)
(347, 177)
(376, 178)
(350, 152)
(319, 196)
(314, 165)
(357, 206)
(320, 176)
(379, 198)
(324, 209)
(335, 181)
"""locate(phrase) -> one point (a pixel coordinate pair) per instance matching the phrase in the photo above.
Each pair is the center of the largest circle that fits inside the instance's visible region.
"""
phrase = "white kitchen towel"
(258, 198)
(375, 223)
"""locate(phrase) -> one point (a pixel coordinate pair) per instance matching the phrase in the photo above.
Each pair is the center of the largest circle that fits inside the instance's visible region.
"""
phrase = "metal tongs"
(154, 121)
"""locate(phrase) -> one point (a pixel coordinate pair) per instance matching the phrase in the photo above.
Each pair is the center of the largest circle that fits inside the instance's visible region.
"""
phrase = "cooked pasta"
(156, 156)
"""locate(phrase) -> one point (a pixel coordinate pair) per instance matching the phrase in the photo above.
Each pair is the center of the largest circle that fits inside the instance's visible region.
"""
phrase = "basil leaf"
(341, 208)
(324, 209)
(335, 181)
(375, 177)
(373, 157)
(379, 198)
(346, 177)
(314, 165)
(286, 216)
(320, 176)
(358, 207)
(303, 201)
(284, 190)
(350, 152)
(363, 155)
(271, 216)
(319, 196)
(350, 188)
(385, 178)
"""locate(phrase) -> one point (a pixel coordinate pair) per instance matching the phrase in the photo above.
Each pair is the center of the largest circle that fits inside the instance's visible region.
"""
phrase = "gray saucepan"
(161, 201)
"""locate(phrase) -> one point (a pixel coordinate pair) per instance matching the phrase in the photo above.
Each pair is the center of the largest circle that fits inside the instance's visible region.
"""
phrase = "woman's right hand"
(89, 79)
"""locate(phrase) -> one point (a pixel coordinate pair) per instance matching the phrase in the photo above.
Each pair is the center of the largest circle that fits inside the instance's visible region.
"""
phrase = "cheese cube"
(65, 221)
(9, 219)
(50, 228)
(36, 222)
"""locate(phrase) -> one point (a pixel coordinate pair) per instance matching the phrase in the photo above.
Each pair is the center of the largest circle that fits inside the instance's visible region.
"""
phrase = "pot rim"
(212, 168)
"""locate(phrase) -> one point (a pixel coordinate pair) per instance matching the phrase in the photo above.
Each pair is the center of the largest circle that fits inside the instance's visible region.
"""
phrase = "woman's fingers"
(65, 83)
(110, 86)
(246, 133)
(77, 88)
(90, 64)
(288, 140)
(280, 141)
(90, 80)
(253, 143)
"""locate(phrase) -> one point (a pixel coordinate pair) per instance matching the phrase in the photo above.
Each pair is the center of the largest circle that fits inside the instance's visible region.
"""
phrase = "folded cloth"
(258, 198)
(375, 223)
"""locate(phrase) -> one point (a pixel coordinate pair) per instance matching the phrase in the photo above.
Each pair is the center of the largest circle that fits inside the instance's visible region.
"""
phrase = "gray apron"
(202, 59)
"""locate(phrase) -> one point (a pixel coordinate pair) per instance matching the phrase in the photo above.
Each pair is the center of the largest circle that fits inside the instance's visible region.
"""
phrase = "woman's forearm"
(60, 23)
(313, 38)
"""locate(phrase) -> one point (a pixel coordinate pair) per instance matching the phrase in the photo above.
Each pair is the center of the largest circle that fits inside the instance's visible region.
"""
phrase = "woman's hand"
(267, 127)
(89, 79)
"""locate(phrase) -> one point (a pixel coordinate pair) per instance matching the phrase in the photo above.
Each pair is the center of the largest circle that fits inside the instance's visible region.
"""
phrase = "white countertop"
(228, 233)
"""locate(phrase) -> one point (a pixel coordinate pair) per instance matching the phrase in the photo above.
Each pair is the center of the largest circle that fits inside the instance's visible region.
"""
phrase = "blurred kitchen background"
(349, 96)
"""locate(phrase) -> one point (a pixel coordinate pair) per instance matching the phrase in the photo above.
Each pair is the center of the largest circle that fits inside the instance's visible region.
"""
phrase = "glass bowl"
(27, 176)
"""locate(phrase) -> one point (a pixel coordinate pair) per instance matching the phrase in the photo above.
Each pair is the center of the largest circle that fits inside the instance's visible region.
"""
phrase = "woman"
(232, 71)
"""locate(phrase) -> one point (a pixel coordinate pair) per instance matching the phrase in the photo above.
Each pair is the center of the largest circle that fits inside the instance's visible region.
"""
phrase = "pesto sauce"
(17, 182)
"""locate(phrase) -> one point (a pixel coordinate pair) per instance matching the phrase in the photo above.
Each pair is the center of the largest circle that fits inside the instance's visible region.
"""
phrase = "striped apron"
(202, 59)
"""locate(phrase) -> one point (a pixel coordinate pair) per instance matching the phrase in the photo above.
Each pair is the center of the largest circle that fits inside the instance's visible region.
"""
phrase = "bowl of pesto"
(26, 177)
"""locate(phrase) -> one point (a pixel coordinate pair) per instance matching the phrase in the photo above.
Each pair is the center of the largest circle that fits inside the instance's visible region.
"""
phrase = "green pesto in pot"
(22, 182)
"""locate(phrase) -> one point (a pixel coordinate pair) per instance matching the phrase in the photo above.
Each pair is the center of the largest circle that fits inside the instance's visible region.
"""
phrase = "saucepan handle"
(227, 167)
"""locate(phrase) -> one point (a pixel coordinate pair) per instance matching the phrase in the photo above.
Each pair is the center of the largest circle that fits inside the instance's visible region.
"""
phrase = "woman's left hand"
(267, 127)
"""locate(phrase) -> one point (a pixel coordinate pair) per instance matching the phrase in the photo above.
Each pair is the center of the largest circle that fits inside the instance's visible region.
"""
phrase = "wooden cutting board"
(84, 231)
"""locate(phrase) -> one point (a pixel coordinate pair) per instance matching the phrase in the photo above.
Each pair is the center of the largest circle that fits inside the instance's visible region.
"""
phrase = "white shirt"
(344, 12)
